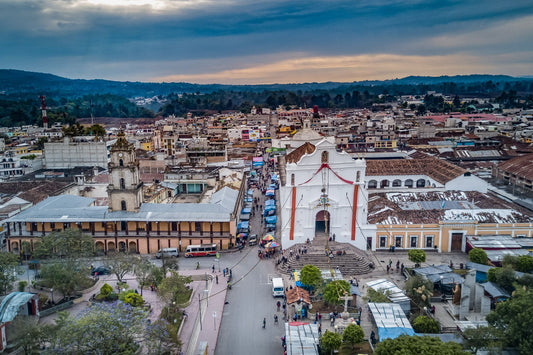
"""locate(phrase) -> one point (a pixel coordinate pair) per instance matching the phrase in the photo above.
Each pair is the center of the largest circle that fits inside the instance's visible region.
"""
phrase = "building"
(323, 191)
(12, 306)
(69, 154)
(127, 223)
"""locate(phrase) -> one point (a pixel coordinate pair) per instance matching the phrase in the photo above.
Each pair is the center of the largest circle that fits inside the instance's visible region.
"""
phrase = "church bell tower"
(125, 187)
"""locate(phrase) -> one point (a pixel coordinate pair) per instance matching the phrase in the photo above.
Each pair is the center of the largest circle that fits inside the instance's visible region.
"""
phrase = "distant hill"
(18, 83)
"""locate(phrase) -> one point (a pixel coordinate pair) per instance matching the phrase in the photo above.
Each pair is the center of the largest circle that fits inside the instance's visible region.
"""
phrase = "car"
(100, 270)
(252, 240)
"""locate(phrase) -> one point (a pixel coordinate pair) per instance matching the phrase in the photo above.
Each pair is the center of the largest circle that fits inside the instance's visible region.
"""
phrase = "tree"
(174, 288)
(120, 264)
(379, 296)
(483, 338)
(330, 341)
(143, 272)
(27, 334)
(310, 275)
(65, 277)
(96, 130)
(69, 243)
(416, 345)
(425, 324)
(168, 262)
(525, 263)
(353, 334)
(503, 277)
(514, 318)
(8, 271)
(417, 256)
(419, 289)
(478, 256)
(334, 290)
(103, 328)
(39, 144)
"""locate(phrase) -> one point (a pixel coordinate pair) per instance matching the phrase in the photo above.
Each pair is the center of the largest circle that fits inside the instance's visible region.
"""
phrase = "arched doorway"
(122, 247)
(322, 221)
(132, 248)
(100, 248)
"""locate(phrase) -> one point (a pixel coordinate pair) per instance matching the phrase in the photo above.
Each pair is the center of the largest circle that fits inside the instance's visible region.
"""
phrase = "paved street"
(250, 300)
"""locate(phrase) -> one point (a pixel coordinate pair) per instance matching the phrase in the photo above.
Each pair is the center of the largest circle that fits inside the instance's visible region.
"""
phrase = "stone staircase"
(352, 262)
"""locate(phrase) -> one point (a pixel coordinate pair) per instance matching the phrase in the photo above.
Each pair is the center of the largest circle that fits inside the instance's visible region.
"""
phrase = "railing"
(57, 308)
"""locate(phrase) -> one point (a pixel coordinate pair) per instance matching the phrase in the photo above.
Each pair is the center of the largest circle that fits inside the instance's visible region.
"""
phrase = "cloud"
(138, 39)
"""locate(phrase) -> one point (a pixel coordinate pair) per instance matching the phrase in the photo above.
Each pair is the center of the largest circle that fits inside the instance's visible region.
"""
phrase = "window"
(121, 162)
(52, 225)
(384, 183)
(123, 205)
(382, 241)
(358, 176)
(372, 184)
(429, 241)
(66, 225)
(292, 179)
(413, 241)
(398, 241)
(408, 183)
(420, 183)
(397, 183)
(122, 183)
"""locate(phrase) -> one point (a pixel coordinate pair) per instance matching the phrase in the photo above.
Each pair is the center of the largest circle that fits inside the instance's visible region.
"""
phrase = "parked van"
(167, 252)
(278, 290)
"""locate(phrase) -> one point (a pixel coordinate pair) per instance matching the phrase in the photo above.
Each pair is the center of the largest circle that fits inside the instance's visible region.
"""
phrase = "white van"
(167, 252)
(278, 290)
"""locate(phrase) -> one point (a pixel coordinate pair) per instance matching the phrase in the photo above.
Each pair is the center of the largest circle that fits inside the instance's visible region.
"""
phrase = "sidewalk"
(198, 329)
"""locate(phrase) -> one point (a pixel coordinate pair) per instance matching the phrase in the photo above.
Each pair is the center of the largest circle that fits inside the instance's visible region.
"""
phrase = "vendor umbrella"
(268, 237)
(242, 235)
(272, 245)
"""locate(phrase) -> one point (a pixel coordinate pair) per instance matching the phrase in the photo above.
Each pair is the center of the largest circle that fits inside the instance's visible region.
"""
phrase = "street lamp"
(52, 291)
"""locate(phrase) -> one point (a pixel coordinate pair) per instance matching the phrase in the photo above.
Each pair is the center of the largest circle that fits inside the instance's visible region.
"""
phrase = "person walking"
(264, 323)
(216, 278)
(278, 304)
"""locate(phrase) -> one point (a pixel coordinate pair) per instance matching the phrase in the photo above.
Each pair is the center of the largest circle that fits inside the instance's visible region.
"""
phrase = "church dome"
(306, 134)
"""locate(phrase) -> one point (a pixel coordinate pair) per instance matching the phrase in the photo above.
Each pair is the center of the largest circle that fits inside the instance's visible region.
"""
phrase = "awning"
(271, 219)
(270, 193)
(246, 210)
(244, 217)
(270, 208)
(243, 225)
(270, 202)
(250, 192)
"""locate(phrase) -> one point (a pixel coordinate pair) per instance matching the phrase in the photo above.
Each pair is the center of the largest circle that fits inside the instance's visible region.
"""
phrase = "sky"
(262, 42)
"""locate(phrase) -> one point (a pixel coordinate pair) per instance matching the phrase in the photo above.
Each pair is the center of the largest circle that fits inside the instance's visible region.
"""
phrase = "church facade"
(324, 192)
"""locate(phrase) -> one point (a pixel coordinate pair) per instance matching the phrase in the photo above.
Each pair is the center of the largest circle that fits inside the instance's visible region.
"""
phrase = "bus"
(201, 250)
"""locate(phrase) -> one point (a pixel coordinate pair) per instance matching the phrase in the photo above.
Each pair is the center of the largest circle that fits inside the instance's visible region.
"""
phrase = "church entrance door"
(322, 221)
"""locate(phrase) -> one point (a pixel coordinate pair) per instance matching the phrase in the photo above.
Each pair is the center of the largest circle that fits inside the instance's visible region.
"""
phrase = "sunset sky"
(275, 41)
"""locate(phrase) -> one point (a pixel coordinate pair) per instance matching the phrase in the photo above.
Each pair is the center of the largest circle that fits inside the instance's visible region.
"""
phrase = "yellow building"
(127, 223)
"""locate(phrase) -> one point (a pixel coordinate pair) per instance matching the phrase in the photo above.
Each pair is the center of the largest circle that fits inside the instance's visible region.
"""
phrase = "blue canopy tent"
(272, 186)
(269, 213)
(248, 199)
(246, 210)
(243, 225)
(270, 193)
(270, 202)
(253, 173)
(271, 219)
(270, 208)
(274, 177)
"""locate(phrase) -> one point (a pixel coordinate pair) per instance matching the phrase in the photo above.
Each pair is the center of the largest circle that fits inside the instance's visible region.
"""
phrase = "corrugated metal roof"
(11, 304)
(301, 339)
(68, 208)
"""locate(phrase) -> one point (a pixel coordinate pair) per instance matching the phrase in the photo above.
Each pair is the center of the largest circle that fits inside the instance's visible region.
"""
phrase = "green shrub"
(417, 256)
(425, 324)
(43, 299)
(22, 285)
(478, 256)
(105, 290)
(134, 299)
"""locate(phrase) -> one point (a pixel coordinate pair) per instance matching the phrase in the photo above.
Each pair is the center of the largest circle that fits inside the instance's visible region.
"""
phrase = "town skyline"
(264, 43)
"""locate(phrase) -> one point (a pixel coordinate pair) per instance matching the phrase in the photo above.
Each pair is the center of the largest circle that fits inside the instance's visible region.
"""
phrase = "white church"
(324, 192)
